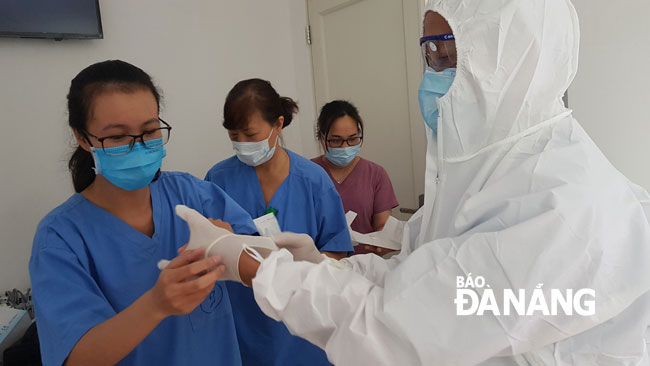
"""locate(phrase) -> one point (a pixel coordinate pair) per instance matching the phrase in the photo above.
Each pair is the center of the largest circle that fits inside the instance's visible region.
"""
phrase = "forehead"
(254, 123)
(123, 107)
(344, 126)
(435, 24)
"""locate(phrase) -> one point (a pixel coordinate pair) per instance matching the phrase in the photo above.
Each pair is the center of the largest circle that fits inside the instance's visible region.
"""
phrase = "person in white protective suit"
(516, 192)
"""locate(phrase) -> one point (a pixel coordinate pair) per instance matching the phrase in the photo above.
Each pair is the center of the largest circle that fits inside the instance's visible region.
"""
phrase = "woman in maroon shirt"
(364, 186)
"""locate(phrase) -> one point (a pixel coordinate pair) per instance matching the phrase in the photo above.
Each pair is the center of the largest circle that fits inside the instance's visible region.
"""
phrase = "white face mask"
(254, 153)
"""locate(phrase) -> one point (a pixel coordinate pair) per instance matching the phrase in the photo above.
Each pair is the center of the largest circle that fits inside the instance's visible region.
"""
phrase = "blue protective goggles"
(438, 51)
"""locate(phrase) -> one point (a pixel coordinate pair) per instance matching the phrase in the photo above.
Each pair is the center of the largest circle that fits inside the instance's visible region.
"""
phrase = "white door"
(367, 52)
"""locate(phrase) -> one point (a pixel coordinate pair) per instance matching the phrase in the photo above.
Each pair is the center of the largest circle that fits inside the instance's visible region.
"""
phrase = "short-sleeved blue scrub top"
(306, 202)
(87, 265)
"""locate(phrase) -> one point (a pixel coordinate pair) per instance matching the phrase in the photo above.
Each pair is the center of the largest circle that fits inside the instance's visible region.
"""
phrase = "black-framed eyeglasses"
(123, 144)
(338, 142)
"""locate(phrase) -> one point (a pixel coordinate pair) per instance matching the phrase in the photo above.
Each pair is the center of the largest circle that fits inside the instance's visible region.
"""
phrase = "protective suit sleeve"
(412, 318)
(349, 299)
(371, 266)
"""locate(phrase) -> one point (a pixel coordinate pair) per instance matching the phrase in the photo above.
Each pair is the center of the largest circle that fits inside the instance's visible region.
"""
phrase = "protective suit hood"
(516, 59)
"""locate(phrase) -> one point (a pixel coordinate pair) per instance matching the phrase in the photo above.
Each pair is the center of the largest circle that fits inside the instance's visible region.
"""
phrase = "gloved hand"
(300, 245)
(221, 242)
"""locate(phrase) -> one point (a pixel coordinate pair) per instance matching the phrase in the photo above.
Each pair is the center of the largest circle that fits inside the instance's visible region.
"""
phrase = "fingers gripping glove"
(223, 243)
(300, 245)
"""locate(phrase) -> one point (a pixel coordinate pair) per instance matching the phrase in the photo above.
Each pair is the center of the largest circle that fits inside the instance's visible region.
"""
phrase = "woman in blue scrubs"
(99, 297)
(263, 178)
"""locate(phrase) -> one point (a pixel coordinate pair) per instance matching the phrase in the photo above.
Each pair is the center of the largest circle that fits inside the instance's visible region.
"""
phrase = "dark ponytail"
(249, 96)
(289, 109)
(81, 166)
(112, 75)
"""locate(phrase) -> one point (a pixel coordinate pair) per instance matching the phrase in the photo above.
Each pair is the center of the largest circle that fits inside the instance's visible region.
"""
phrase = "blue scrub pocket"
(210, 309)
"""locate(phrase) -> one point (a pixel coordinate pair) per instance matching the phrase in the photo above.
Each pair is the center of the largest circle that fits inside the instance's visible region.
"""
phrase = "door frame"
(412, 12)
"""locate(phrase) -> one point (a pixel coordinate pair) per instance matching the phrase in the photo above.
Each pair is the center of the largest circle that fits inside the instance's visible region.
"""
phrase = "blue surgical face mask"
(434, 85)
(254, 153)
(342, 156)
(131, 171)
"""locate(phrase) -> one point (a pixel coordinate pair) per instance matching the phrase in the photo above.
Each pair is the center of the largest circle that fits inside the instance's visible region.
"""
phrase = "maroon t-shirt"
(367, 190)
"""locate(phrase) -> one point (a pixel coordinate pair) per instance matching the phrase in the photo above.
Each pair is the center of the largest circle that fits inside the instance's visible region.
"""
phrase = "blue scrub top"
(87, 265)
(306, 202)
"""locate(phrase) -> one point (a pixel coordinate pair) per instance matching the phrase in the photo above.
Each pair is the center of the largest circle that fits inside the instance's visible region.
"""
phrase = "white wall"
(611, 93)
(196, 50)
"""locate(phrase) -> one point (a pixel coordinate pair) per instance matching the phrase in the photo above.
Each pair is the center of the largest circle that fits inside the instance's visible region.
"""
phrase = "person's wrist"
(152, 307)
(248, 267)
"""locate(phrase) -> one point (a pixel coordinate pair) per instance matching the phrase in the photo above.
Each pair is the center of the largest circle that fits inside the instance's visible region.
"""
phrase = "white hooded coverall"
(516, 192)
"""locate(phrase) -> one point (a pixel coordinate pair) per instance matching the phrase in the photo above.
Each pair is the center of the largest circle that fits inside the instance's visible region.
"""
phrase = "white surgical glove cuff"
(221, 242)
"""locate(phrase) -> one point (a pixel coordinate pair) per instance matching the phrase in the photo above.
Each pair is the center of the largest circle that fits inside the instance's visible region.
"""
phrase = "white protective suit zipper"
(439, 160)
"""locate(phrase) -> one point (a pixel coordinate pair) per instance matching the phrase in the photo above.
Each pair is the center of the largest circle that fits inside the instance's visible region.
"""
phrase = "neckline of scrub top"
(259, 195)
(352, 172)
(132, 233)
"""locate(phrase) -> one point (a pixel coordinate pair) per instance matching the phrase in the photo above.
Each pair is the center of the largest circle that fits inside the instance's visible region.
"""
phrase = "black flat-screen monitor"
(56, 19)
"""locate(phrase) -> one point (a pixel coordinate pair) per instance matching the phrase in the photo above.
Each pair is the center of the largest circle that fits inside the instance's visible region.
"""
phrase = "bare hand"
(380, 251)
(185, 282)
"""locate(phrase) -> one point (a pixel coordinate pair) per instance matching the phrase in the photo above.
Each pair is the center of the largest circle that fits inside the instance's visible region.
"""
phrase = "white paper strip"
(389, 237)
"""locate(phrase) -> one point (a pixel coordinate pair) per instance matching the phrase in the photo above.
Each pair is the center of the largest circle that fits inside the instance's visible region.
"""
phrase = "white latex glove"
(221, 242)
(300, 245)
